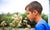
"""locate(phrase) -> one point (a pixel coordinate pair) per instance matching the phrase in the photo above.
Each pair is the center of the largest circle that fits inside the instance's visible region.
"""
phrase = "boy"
(34, 10)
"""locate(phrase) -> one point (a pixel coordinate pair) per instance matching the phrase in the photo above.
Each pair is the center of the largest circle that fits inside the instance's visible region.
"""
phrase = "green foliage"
(45, 17)
(8, 19)
(24, 15)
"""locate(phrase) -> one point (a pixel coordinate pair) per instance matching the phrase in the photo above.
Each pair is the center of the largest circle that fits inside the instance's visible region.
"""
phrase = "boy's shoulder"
(42, 24)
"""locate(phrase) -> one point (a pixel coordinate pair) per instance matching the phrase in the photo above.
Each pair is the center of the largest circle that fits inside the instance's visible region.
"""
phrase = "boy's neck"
(38, 18)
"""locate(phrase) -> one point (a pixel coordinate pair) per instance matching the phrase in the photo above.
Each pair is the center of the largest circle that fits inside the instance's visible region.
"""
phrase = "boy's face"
(31, 15)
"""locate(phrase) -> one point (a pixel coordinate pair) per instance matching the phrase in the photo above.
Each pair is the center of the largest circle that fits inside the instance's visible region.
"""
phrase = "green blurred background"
(8, 18)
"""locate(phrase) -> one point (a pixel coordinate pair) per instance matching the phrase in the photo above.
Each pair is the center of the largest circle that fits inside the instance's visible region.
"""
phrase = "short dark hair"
(34, 6)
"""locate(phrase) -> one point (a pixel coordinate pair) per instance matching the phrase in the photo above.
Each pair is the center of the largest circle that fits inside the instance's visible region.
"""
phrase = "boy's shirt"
(42, 25)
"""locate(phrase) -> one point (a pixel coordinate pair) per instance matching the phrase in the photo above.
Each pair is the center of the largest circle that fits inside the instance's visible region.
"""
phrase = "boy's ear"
(35, 12)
